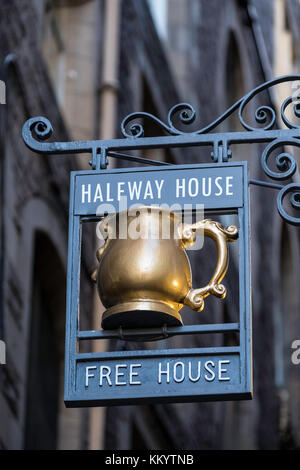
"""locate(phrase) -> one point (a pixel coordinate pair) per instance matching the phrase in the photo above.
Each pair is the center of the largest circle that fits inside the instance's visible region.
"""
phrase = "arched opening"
(46, 340)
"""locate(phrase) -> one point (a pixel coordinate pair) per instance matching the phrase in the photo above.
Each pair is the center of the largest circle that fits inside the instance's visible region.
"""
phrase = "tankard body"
(144, 275)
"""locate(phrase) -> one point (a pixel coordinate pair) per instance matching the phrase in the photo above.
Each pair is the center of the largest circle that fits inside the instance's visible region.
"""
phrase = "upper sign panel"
(215, 187)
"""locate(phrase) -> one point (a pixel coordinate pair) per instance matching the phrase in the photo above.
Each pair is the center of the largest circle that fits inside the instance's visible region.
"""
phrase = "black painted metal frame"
(275, 131)
(149, 391)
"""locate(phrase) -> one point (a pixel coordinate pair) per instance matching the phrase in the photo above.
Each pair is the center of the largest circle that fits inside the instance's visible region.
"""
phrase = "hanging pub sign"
(144, 278)
(147, 219)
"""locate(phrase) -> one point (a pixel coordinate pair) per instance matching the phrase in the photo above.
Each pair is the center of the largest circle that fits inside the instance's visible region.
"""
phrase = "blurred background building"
(86, 64)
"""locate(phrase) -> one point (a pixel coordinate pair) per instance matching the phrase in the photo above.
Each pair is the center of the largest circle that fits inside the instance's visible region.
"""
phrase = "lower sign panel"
(170, 379)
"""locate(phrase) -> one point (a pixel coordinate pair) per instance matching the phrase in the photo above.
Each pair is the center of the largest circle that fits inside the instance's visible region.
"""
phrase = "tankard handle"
(195, 297)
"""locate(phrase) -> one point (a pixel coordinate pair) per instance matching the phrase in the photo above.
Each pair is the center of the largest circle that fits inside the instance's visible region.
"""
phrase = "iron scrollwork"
(187, 114)
(265, 116)
(269, 129)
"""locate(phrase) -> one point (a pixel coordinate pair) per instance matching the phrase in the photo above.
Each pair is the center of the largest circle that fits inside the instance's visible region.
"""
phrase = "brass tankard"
(144, 281)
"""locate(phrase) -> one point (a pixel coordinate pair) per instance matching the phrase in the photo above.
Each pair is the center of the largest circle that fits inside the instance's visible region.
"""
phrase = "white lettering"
(120, 374)
(181, 377)
(134, 374)
(2, 352)
(219, 186)
(180, 188)
(148, 190)
(120, 189)
(296, 354)
(2, 92)
(151, 189)
(161, 372)
(108, 198)
(228, 185)
(196, 187)
(134, 190)
(159, 188)
(223, 370)
(98, 193)
(194, 379)
(85, 192)
(105, 375)
(127, 461)
(176, 372)
(212, 374)
(88, 375)
(204, 191)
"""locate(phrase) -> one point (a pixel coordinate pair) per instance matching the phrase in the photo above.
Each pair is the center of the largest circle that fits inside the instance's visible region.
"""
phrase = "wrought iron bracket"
(272, 128)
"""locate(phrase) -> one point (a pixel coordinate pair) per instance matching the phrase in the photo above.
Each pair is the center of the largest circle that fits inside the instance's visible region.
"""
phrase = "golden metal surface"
(195, 297)
(145, 281)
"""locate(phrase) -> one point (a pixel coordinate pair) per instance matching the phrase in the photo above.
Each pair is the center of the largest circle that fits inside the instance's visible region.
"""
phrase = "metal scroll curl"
(294, 200)
(41, 127)
(265, 116)
(285, 162)
(38, 129)
(296, 108)
(286, 167)
(186, 113)
(35, 131)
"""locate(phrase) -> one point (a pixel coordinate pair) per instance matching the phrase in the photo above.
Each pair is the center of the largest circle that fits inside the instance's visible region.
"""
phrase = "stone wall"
(36, 201)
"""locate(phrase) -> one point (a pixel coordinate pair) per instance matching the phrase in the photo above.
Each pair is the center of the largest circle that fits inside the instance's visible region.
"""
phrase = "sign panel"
(214, 187)
(136, 379)
(160, 375)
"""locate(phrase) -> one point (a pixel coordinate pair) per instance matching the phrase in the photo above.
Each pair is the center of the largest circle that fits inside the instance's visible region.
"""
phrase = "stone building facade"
(216, 53)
